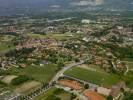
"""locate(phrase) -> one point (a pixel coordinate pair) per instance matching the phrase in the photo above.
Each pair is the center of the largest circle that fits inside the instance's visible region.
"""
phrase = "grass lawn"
(42, 74)
(54, 92)
(129, 79)
(96, 77)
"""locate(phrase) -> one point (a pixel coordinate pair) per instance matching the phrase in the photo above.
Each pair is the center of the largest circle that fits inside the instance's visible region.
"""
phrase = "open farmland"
(42, 74)
(99, 78)
(7, 79)
(5, 47)
(28, 86)
(6, 43)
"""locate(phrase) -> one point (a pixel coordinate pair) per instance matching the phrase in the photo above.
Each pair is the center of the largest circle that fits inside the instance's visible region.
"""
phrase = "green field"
(5, 47)
(42, 74)
(96, 77)
(54, 92)
(129, 79)
(5, 43)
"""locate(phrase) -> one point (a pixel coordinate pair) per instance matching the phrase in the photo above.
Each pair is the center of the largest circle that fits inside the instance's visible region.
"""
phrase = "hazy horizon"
(26, 6)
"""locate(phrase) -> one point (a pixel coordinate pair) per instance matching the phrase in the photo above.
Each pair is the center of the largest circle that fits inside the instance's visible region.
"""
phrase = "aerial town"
(66, 57)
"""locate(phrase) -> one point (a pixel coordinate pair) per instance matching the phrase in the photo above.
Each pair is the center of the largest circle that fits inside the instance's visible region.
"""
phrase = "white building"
(86, 21)
(104, 91)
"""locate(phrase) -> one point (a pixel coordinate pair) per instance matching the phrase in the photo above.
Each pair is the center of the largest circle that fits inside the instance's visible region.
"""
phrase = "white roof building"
(104, 91)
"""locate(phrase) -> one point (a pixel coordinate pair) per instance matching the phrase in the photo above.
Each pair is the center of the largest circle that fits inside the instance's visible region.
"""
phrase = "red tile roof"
(93, 95)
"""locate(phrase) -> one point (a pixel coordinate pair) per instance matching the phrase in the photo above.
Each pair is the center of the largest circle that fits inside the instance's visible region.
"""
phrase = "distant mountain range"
(8, 7)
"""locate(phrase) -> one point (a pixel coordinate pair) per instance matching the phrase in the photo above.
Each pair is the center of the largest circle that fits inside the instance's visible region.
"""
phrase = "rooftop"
(72, 84)
(93, 95)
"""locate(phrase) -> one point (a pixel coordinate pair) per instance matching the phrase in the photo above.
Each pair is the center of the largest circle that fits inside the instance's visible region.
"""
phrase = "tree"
(122, 90)
(20, 79)
(73, 96)
(110, 97)
(77, 60)
(128, 96)
(86, 86)
(60, 64)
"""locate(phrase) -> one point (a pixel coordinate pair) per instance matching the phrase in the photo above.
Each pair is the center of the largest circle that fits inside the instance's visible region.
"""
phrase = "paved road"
(126, 70)
(114, 66)
(60, 73)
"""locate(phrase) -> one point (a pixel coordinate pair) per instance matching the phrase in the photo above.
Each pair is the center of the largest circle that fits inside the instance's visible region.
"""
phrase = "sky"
(22, 6)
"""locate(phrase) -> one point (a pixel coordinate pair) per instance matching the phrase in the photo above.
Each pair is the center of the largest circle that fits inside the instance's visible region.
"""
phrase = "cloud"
(87, 2)
(131, 3)
(55, 6)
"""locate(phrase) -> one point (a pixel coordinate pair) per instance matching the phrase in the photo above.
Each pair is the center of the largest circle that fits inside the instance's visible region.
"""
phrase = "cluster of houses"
(7, 63)
(35, 43)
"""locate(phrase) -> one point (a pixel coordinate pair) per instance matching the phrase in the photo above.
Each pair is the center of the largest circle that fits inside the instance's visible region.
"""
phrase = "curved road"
(60, 73)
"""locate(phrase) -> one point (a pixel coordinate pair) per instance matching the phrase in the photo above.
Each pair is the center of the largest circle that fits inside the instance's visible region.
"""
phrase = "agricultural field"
(99, 77)
(27, 87)
(41, 74)
(5, 43)
(54, 94)
(5, 47)
(30, 77)
(8, 79)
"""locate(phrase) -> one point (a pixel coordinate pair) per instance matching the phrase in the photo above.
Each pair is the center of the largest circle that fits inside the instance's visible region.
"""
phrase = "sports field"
(92, 76)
